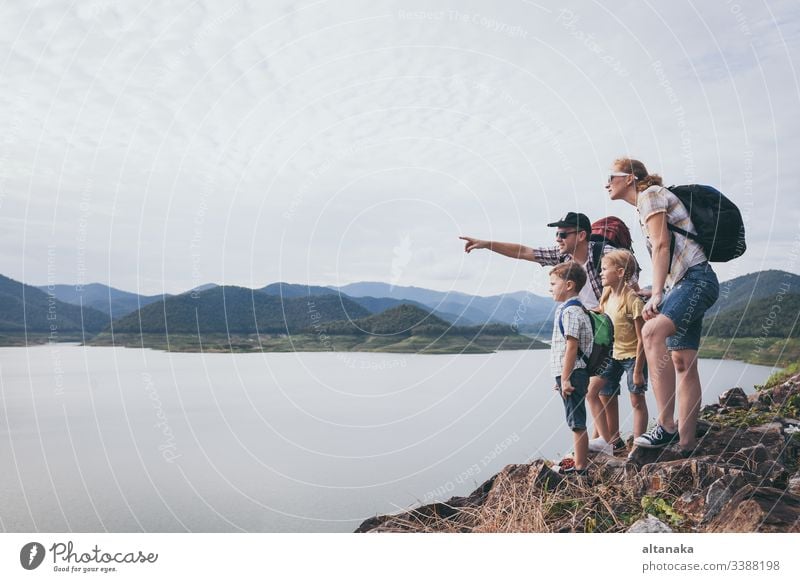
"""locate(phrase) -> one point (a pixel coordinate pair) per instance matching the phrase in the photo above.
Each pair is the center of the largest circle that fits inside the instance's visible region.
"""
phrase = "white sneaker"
(600, 445)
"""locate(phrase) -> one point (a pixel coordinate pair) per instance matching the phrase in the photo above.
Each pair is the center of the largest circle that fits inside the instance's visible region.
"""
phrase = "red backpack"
(609, 231)
(612, 231)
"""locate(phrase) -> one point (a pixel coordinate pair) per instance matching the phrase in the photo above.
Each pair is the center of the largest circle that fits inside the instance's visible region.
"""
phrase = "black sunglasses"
(563, 234)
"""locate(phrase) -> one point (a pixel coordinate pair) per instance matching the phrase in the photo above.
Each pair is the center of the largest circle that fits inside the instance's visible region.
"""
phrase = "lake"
(127, 440)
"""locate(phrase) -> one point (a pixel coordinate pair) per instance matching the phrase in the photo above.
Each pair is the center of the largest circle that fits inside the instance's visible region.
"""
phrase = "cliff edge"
(742, 477)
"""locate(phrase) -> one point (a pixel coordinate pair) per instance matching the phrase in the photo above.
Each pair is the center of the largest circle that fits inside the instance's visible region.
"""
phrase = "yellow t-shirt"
(623, 311)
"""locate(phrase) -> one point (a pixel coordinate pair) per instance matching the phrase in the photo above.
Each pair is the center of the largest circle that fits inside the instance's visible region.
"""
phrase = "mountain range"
(744, 308)
(237, 310)
(111, 301)
(520, 308)
(26, 309)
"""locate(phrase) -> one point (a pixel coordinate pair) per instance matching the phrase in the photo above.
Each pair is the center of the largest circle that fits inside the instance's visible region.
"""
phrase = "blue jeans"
(575, 403)
(612, 373)
(686, 304)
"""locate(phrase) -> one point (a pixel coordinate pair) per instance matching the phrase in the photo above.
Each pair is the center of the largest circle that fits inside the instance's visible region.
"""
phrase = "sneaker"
(600, 445)
(619, 445)
(572, 471)
(656, 438)
(566, 464)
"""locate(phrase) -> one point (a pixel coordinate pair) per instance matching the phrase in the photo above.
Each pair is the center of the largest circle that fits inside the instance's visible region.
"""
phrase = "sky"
(158, 146)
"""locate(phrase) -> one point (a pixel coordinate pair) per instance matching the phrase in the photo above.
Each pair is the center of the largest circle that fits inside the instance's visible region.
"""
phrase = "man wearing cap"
(572, 236)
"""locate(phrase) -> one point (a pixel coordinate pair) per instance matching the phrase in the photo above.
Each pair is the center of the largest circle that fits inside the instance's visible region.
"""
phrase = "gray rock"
(793, 486)
(719, 493)
(680, 476)
(758, 509)
(771, 473)
(734, 398)
(748, 458)
(780, 394)
(692, 505)
(703, 427)
(709, 409)
(649, 524)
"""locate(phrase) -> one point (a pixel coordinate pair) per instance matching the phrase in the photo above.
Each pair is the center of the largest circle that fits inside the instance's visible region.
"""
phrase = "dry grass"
(574, 505)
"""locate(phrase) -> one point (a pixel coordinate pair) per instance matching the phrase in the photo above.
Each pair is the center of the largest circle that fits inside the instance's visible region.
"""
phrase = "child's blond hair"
(623, 259)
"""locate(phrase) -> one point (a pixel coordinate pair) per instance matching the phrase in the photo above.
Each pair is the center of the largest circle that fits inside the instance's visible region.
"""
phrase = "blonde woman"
(684, 288)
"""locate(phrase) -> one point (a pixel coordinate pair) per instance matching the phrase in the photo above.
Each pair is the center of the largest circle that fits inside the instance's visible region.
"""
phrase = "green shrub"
(662, 509)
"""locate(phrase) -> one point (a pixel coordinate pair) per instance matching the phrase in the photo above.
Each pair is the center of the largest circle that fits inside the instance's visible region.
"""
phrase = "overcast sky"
(158, 146)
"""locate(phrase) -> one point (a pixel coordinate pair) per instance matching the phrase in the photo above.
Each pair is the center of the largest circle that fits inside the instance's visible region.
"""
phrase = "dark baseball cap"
(576, 219)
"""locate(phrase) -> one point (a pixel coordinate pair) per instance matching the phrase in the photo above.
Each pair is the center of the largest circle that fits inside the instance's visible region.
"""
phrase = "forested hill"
(237, 310)
(24, 308)
(402, 319)
(114, 302)
(775, 316)
(406, 320)
(738, 292)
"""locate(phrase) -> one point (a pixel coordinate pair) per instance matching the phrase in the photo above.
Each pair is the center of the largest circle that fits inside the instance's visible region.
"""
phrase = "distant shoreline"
(221, 343)
(311, 342)
(775, 352)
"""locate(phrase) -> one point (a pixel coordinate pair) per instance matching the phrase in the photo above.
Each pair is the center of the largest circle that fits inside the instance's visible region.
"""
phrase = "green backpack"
(603, 338)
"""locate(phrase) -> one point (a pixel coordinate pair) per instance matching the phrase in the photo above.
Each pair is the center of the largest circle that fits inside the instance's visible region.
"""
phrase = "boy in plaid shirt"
(567, 351)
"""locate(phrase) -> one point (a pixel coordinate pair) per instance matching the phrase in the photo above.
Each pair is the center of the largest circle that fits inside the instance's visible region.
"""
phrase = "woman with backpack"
(684, 288)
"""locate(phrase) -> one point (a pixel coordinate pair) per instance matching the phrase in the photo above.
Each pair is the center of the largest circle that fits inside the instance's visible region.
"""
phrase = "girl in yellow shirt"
(621, 303)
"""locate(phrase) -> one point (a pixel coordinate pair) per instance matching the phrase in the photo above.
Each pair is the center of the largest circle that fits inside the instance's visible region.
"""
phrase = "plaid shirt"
(687, 253)
(577, 325)
(550, 256)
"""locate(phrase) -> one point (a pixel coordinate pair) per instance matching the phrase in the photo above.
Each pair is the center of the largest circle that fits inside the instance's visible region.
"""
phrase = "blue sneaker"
(656, 438)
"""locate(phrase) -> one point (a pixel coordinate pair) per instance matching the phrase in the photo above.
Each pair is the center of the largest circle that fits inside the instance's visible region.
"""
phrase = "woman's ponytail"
(635, 167)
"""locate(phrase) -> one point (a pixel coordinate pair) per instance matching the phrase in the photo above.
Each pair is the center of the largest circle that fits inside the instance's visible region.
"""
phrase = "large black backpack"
(717, 222)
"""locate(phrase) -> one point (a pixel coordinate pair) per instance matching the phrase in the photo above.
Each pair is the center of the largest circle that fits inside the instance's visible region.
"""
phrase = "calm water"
(95, 439)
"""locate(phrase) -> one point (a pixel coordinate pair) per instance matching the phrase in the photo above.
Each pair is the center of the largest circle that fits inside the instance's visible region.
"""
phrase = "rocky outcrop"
(649, 524)
(430, 513)
(739, 478)
(759, 509)
(734, 398)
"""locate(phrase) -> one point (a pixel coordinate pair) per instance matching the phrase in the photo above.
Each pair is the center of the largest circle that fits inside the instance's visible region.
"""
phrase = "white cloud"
(283, 127)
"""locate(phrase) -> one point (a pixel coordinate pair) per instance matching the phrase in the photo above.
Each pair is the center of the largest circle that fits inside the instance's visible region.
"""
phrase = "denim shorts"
(612, 374)
(686, 304)
(575, 403)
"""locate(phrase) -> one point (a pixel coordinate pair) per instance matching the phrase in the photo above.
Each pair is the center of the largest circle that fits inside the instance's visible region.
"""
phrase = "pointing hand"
(473, 243)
